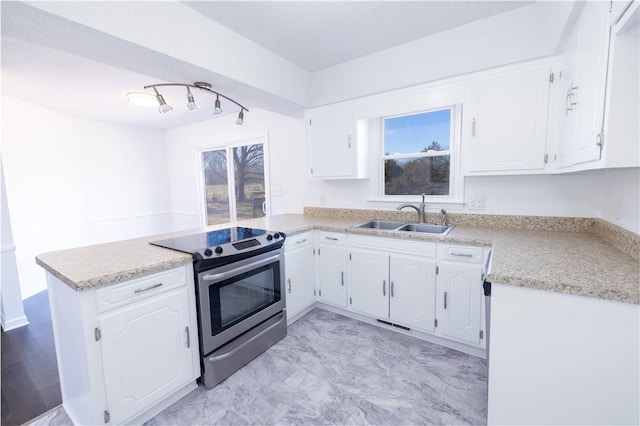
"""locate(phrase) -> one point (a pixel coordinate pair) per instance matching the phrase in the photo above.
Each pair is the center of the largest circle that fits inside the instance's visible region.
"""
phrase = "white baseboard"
(14, 323)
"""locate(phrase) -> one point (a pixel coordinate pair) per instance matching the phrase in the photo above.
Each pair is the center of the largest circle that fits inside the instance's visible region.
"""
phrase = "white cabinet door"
(332, 142)
(505, 122)
(300, 278)
(583, 86)
(412, 292)
(332, 269)
(459, 298)
(369, 282)
(146, 353)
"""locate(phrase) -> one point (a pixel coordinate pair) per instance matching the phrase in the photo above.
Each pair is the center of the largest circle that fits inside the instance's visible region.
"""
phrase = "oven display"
(241, 296)
(246, 244)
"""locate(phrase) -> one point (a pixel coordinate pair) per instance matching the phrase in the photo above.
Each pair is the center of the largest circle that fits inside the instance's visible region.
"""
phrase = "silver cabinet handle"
(188, 336)
(301, 241)
(473, 126)
(384, 287)
(391, 289)
(568, 101)
(349, 141)
(342, 277)
(445, 300)
(151, 287)
(289, 281)
(454, 253)
(331, 238)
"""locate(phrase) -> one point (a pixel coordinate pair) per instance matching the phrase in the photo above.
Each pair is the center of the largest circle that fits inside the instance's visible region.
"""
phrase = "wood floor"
(30, 383)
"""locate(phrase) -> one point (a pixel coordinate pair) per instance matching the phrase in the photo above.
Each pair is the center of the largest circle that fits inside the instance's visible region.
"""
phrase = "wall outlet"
(477, 204)
(277, 192)
(322, 200)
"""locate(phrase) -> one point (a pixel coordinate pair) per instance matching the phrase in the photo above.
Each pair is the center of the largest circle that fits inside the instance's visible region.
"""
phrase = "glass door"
(237, 170)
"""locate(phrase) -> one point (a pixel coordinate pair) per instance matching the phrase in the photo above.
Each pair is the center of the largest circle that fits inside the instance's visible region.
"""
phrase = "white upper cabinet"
(582, 87)
(621, 130)
(505, 121)
(332, 137)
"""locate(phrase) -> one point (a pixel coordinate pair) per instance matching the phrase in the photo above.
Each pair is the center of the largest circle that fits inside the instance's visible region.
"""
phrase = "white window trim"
(228, 147)
(456, 180)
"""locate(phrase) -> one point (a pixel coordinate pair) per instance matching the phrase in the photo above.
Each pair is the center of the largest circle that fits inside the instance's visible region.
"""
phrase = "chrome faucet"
(420, 209)
(444, 219)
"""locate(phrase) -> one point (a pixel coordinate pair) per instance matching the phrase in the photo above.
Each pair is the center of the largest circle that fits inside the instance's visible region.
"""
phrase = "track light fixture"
(191, 103)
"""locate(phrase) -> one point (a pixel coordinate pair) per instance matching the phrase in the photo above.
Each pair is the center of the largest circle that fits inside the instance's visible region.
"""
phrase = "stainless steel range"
(240, 295)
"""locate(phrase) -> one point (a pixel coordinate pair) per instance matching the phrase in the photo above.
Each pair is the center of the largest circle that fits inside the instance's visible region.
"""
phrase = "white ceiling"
(310, 34)
(319, 34)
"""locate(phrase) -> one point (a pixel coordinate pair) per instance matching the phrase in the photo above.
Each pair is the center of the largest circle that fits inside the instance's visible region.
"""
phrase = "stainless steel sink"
(426, 228)
(379, 224)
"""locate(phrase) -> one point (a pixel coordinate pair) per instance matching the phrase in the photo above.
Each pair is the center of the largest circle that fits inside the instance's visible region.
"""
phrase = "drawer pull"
(391, 289)
(342, 277)
(331, 238)
(289, 281)
(445, 300)
(151, 287)
(188, 337)
(301, 241)
(384, 287)
(453, 253)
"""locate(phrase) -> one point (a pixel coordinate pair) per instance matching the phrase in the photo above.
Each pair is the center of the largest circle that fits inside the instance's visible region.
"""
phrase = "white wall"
(285, 147)
(619, 200)
(529, 32)
(585, 194)
(11, 307)
(75, 182)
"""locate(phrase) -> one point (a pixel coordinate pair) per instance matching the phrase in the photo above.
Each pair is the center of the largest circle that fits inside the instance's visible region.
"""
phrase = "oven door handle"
(237, 271)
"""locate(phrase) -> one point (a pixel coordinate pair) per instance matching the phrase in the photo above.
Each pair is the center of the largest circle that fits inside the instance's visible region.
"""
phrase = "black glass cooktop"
(197, 242)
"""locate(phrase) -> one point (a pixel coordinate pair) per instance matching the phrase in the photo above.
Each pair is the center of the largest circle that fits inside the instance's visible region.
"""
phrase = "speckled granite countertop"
(577, 263)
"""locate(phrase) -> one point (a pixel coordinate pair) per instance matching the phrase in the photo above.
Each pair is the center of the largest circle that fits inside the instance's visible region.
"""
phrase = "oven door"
(236, 297)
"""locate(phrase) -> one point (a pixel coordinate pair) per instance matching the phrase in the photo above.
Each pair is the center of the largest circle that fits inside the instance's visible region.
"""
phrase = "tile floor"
(331, 369)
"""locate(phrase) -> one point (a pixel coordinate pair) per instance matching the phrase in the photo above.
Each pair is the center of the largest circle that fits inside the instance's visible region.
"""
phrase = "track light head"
(217, 110)
(164, 107)
(240, 120)
(191, 103)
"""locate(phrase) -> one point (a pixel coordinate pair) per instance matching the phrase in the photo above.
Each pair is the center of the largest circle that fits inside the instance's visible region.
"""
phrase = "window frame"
(455, 178)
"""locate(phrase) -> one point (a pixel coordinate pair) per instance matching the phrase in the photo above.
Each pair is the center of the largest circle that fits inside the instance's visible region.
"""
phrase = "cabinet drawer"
(299, 240)
(457, 253)
(120, 294)
(332, 238)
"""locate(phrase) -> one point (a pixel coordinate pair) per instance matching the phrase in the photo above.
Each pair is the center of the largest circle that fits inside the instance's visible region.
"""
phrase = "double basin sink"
(422, 228)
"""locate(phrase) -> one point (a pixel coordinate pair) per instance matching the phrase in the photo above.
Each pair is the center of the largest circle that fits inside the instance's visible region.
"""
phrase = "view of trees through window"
(245, 171)
(417, 154)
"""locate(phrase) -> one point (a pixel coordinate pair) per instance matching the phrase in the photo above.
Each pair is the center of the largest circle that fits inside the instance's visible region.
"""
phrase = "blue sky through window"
(413, 133)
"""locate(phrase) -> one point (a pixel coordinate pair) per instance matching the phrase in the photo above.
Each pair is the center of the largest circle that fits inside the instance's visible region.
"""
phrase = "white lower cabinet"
(299, 262)
(332, 268)
(413, 284)
(460, 294)
(368, 282)
(393, 280)
(128, 350)
(146, 353)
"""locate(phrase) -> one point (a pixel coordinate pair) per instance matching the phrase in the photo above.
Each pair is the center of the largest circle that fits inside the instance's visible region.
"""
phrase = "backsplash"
(626, 241)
